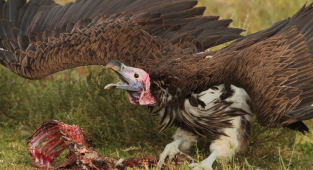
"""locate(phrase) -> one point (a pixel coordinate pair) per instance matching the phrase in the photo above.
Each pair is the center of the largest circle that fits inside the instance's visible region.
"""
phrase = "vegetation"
(123, 130)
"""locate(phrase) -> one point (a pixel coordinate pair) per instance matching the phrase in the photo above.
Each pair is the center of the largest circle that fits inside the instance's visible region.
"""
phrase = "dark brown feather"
(274, 66)
(116, 28)
(161, 37)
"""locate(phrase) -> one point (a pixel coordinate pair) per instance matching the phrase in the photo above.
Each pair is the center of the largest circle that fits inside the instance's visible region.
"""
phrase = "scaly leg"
(182, 141)
(170, 150)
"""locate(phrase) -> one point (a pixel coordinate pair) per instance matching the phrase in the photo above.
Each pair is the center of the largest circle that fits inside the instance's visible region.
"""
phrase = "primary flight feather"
(157, 50)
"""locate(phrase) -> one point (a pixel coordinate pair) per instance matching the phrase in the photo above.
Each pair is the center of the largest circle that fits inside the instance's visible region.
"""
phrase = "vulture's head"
(134, 80)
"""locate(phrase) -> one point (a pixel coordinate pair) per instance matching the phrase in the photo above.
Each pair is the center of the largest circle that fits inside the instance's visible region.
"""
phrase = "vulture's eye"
(136, 75)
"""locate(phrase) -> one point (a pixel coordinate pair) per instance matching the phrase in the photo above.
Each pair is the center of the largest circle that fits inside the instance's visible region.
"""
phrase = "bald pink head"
(135, 80)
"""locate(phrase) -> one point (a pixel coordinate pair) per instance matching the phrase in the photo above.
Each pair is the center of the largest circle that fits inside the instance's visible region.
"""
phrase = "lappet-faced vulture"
(157, 50)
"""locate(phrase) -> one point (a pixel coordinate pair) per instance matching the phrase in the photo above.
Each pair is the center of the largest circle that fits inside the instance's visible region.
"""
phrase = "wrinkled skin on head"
(134, 80)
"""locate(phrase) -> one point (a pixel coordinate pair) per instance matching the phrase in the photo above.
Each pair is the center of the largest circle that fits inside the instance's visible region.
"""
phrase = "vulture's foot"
(181, 157)
(205, 164)
(171, 150)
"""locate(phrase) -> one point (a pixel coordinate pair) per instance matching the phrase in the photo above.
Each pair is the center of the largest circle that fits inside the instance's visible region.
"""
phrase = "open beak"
(123, 72)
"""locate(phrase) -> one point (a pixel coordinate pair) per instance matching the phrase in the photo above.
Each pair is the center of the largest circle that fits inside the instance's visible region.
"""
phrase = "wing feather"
(7, 27)
(37, 22)
(140, 33)
(53, 10)
(80, 13)
(5, 11)
(58, 16)
(98, 9)
(30, 12)
(274, 66)
(13, 10)
(66, 18)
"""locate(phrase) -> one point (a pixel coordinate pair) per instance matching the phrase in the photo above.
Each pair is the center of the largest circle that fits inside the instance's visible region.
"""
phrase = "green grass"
(117, 125)
(13, 149)
(77, 97)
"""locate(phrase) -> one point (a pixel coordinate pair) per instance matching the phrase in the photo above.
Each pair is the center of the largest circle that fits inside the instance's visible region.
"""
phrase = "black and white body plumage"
(221, 113)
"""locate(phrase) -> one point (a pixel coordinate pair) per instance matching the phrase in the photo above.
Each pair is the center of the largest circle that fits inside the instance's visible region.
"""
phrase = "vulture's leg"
(190, 139)
(226, 146)
(183, 140)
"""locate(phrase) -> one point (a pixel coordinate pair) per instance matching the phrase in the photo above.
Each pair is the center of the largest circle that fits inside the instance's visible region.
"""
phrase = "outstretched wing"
(41, 37)
(275, 67)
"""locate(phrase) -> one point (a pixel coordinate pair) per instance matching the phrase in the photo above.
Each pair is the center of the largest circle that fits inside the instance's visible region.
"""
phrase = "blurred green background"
(123, 130)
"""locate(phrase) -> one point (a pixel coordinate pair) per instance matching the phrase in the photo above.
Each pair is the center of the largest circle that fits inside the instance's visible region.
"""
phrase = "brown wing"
(41, 37)
(274, 66)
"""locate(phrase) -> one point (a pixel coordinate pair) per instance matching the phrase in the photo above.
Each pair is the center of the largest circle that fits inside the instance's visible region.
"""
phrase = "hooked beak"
(114, 65)
(126, 82)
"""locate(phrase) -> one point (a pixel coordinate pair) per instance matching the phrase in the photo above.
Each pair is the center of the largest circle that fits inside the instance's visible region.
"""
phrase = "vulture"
(157, 49)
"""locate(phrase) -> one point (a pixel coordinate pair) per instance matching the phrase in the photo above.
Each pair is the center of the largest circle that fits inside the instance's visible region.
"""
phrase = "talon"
(181, 157)
(170, 151)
